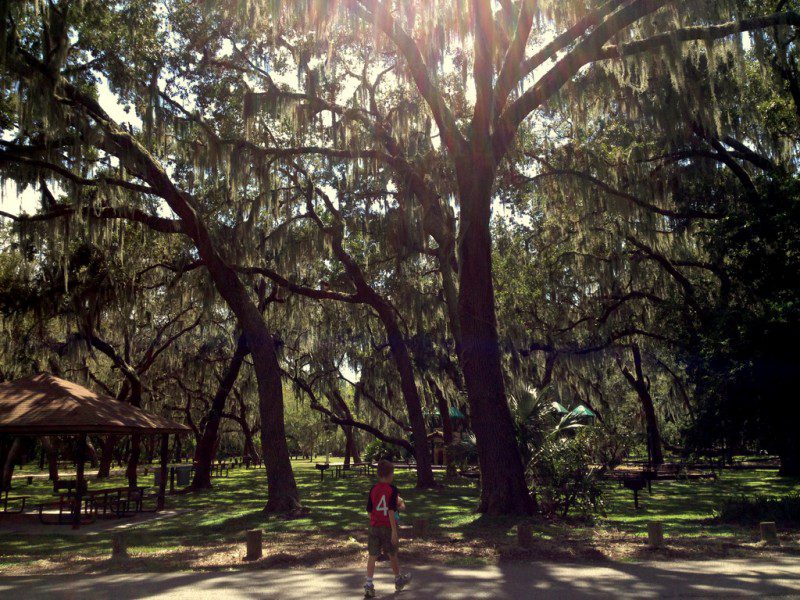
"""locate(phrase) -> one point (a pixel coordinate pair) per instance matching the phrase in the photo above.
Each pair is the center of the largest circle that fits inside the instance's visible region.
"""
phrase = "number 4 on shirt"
(383, 506)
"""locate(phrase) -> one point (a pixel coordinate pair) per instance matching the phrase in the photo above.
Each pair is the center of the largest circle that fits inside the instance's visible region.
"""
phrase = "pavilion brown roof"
(44, 404)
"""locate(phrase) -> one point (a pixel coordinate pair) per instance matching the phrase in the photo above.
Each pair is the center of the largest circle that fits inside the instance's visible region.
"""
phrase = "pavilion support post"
(80, 480)
(162, 483)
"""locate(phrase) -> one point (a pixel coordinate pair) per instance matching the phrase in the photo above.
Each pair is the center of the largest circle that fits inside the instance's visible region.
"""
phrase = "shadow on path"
(732, 578)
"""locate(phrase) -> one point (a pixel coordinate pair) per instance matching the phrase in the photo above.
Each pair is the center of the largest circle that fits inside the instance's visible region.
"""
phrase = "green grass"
(687, 507)
(337, 506)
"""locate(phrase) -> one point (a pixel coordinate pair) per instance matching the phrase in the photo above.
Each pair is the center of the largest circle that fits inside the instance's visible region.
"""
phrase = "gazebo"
(47, 405)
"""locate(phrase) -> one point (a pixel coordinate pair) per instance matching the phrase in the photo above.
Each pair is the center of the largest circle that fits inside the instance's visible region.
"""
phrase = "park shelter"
(47, 405)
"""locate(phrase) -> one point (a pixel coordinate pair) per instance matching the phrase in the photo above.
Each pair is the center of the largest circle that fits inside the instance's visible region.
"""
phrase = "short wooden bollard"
(769, 533)
(524, 535)
(119, 546)
(255, 539)
(655, 534)
(420, 528)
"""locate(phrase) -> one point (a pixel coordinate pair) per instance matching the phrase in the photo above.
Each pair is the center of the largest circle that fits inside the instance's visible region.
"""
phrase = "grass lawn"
(209, 533)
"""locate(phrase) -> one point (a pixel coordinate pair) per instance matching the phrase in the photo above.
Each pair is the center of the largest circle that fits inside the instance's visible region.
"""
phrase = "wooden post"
(79, 481)
(255, 544)
(162, 483)
(769, 533)
(525, 535)
(119, 545)
(655, 534)
(420, 528)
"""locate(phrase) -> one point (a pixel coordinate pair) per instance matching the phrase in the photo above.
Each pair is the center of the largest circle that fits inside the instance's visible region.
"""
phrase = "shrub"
(743, 509)
(562, 477)
(377, 449)
(464, 452)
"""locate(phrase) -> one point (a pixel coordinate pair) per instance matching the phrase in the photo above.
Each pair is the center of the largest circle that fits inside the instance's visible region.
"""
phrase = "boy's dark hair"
(385, 468)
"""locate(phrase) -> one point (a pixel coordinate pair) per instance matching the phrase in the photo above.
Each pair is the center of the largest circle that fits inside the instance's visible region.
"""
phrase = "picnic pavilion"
(44, 405)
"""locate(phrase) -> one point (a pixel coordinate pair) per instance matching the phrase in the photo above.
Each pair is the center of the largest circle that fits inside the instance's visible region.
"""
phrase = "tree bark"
(14, 450)
(107, 456)
(206, 446)
(351, 450)
(416, 419)
(50, 447)
(503, 486)
(789, 454)
(642, 389)
(444, 411)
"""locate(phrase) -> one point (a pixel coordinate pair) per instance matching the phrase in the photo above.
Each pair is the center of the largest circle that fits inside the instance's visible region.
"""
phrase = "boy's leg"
(395, 563)
(370, 568)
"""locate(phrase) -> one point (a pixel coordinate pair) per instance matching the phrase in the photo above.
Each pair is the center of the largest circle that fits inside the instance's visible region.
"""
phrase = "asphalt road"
(779, 577)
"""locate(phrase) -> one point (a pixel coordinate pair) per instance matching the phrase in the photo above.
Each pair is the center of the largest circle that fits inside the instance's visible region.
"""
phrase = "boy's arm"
(393, 521)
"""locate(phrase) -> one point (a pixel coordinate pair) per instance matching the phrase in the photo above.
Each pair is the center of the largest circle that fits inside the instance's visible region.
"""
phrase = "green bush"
(562, 478)
(750, 510)
(463, 453)
(377, 449)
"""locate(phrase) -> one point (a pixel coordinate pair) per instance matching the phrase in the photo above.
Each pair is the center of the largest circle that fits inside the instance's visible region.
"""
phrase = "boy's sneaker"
(369, 590)
(402, 581)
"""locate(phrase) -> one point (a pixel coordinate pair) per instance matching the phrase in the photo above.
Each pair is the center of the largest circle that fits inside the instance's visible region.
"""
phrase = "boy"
(381, 506)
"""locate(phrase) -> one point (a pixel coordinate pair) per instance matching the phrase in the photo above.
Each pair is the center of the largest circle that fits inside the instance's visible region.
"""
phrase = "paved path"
(728, 579)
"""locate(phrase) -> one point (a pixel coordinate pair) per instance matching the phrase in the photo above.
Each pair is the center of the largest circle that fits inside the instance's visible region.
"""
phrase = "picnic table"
(219, 467)
(322, 467)
(5, 499)
(118, 500)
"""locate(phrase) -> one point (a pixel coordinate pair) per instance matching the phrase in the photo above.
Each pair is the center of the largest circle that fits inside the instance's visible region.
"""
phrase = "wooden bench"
(6, 499)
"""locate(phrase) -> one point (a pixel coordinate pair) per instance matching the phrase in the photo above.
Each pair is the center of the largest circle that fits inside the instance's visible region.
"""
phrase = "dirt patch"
(320, 549)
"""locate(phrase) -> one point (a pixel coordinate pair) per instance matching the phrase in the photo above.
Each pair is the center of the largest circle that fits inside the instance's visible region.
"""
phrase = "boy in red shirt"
(381, 506)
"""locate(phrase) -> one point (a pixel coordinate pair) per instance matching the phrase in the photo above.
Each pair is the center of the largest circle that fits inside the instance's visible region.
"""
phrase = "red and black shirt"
(382, 499)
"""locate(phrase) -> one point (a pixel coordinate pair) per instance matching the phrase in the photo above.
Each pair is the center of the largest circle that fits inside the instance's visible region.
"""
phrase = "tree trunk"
(416, 419)
(348, 436)
(14, 450)
(281, 486)
(136, 440)
(640, 385)
(503, 486)
(206, 447)
(353, 446)
(444, 411)
(350, 450)
(50, 448)
(107, 456)
(790, 455)
(131, 472)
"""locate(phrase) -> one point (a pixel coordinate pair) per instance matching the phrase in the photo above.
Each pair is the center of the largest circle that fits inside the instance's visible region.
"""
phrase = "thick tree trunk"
(503, 486)
(790, 455)
(206, 447)
(50, 448)
(132, 470)
(352, 446)
(14, 450)
(107, 456)
(281, 487)
(136, 440)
